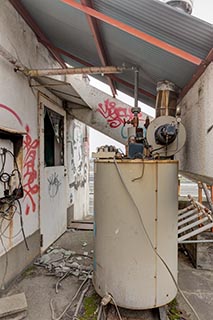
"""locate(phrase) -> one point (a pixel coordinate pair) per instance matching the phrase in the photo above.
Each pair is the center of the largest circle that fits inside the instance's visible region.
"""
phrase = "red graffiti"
(30, 185)
(2, 106)
(114, 115)
(30, 173)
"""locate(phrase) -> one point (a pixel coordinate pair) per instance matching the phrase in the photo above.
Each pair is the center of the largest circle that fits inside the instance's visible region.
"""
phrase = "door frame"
(54, 105)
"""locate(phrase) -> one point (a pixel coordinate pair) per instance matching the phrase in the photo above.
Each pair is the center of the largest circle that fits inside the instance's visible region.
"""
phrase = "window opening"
(53, 138)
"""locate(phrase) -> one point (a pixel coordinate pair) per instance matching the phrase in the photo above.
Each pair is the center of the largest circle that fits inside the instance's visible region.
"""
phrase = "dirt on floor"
(51, 283)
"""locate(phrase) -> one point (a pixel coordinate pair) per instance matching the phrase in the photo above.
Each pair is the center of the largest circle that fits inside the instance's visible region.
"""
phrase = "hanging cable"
(10, 204)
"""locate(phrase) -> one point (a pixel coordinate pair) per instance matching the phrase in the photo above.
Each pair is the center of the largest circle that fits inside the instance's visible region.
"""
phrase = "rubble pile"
(61, 262)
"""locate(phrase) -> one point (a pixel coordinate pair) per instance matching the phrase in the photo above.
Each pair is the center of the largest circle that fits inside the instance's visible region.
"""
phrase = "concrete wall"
(19, 111)
(197, 117)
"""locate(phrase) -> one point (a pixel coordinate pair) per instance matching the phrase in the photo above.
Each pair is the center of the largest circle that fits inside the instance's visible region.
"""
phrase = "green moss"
(30, 271)
(173, 311)
(90, 306)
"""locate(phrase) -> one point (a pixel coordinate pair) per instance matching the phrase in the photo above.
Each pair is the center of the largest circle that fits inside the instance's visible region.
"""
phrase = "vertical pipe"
(207, 194)
(178, 186)
(200, 195)
(136, 87)
(166, 102)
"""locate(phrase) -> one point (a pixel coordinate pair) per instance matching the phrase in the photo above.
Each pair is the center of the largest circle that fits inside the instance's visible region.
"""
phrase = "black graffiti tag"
(54, 184)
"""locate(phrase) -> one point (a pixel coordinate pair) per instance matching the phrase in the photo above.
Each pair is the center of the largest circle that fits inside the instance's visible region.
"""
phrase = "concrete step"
(13, 307)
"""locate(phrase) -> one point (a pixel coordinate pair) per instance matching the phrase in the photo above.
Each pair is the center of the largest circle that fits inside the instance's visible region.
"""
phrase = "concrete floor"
(39, 288)
(197, 286)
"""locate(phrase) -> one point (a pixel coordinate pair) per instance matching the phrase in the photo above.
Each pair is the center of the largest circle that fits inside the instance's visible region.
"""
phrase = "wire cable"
(8, 205)
(116, 307)
(150, 241)
(69, 305)
(142, 173)
(22, 225)
(6, 263)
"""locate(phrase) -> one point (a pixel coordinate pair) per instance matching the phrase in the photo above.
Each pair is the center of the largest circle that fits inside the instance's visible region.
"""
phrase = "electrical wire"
(10, 205)
(150, 241)
(3, 162)
(6, 263)
(116, 307)
(142, 173)
(69, 305)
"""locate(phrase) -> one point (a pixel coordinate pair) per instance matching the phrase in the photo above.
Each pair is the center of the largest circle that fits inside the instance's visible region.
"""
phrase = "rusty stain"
(11, 225)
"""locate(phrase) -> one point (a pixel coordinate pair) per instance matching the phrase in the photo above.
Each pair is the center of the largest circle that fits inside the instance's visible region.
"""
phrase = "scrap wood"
(81, 226)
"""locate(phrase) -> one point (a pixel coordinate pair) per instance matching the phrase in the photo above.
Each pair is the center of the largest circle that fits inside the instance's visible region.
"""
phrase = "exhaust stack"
(183, 5)
(166, 102)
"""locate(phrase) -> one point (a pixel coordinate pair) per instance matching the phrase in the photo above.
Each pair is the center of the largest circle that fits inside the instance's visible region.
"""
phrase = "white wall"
(19, 111)
(197, 155)
(78, 167)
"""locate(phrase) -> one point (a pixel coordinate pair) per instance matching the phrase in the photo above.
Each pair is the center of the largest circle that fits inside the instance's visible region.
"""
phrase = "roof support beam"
(134, 32)
(39, 33)
(200, 70)
(115, 78)
(98, 43)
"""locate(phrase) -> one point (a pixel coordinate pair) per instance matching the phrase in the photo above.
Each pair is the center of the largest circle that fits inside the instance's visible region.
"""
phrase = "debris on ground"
(13, 307)
(59, 262)
(63, 263)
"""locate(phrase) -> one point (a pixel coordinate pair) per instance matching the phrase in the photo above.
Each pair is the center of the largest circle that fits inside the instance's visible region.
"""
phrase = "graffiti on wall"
(53, 184)
(79, 157)
(30, 173)
(115, 115)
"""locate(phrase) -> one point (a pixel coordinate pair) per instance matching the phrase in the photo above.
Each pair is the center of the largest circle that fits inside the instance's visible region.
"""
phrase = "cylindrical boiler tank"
(125, 264)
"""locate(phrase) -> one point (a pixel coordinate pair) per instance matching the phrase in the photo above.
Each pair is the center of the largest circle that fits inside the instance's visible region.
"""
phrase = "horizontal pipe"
(195, 241)
(196, 232)
(87, 70)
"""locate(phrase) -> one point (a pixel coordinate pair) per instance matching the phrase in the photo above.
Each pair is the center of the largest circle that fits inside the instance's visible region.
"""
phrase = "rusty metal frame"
(39, 33)
(56, 52)
(134, 32)
(99, 43)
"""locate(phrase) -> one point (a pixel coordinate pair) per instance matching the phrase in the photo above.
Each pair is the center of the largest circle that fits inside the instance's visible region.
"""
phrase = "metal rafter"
(134, 32)
(98, 42)
(56, 52)
(39, 33)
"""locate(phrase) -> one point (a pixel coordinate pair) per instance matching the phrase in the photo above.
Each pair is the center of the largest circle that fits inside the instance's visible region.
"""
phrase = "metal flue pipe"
(86, 70)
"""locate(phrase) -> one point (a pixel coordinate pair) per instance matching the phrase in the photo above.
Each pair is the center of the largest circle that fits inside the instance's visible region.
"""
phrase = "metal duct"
(183, 5)
(166, 102)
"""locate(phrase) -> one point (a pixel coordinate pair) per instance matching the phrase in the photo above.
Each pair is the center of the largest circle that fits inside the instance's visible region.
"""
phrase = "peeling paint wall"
(19, 111)
(78, 167)
(197, 117)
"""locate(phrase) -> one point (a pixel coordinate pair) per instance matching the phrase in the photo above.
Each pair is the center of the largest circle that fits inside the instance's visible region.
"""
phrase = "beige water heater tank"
(125, 264)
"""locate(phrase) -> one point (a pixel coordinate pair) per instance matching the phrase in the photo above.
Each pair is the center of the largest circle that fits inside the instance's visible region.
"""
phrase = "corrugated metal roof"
(68, 29)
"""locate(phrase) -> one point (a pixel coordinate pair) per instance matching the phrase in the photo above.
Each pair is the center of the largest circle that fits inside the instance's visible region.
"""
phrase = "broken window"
(53, 138)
